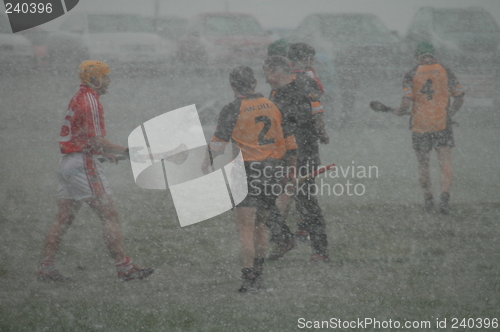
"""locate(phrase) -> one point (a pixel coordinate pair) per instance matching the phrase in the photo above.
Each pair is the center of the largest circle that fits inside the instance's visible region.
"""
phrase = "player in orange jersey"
(257, 127)
(81, 176)
(427, 90)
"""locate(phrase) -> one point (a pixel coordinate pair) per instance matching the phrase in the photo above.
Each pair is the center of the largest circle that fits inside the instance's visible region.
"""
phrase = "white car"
(117, 39)
(16, 51)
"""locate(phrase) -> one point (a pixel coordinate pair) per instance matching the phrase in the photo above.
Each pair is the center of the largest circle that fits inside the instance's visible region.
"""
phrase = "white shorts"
(81, 176)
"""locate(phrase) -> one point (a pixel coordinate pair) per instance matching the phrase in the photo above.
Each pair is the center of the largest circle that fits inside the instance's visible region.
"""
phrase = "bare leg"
(245, 221)
(68, 209)
(423, 172)
(260, 233)
(444, 157)
(252, 234)
(105, 209)
(284, 204)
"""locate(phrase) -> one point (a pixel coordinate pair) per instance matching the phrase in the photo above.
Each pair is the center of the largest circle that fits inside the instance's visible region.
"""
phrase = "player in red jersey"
(81, 175)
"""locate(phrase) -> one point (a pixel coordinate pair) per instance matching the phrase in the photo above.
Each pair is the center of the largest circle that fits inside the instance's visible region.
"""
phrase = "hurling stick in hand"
(117, 158)
(320, 170)
(380, 107)
(176, 156)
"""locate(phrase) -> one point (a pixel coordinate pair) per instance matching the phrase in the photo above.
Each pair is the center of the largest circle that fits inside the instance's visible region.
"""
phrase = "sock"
(124, 265)
(47, 265)
(258, 265)
(248, 273)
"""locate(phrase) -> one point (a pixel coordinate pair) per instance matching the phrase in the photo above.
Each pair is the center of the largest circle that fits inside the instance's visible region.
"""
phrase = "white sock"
(124, 265)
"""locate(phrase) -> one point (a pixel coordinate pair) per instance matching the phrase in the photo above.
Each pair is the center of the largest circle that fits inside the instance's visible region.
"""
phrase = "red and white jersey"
(85, 119)
(312, 74)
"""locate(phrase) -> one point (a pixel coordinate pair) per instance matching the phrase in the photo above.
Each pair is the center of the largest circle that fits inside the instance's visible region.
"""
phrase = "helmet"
(299, 51)
(92, 68)
(242, 77)
(424, 48)
(278, 47)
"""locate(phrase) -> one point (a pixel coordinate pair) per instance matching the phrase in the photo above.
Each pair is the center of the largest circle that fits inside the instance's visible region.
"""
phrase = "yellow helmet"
(92, 68)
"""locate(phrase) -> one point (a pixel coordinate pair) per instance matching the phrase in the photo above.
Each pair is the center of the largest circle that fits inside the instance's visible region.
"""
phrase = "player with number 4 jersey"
(428, 90)
(429, 86)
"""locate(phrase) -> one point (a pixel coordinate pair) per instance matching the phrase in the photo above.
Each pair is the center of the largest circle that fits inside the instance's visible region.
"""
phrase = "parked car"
(171, 27)
(356, 43)
(351, 49)
(16, 51)
(467, 40)
(118, 39)
(279, 33)
(463, 37)
(38, 38)
(216, 39)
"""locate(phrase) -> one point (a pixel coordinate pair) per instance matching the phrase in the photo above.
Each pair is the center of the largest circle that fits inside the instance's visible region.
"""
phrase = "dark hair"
(277, 61)
(299, 51)
(242, 78)
(278, 47)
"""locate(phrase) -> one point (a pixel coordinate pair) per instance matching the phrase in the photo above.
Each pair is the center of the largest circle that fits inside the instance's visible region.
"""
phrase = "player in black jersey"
(294, 101)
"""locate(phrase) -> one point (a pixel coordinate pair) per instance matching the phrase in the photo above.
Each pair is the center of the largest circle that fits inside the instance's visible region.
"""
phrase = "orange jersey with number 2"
(255, 125)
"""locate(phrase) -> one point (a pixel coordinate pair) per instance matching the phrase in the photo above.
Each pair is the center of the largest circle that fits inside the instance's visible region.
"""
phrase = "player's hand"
(136, 157)
(401, 112)
(324, 138)
(109, 157)
(292, 174)
(204, 166)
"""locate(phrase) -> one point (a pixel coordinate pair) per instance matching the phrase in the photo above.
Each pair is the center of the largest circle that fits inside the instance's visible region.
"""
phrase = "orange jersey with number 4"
(430, 86)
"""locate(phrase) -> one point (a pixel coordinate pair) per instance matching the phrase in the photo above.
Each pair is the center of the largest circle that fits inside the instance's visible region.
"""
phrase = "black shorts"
(263, 180)
(425, 142)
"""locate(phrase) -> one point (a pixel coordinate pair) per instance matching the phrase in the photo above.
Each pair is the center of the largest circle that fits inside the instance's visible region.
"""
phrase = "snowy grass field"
(390, 261)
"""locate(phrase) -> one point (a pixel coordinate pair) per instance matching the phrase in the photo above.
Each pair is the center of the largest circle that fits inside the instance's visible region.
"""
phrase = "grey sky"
(396, 14)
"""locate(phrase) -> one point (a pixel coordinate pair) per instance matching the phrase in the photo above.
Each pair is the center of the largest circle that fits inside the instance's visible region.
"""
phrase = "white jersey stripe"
(95, 114)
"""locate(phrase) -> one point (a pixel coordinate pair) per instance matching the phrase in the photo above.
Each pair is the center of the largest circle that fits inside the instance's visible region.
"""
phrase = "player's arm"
(95, 129)
(290, 156)
(102, 144)
(314, 92)
(457, 92)
(458, 101)
(290, 159)
(319, 124)
(215, 148)
(225, 126)
(404, 107)
(407, 97)
(222, 135)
